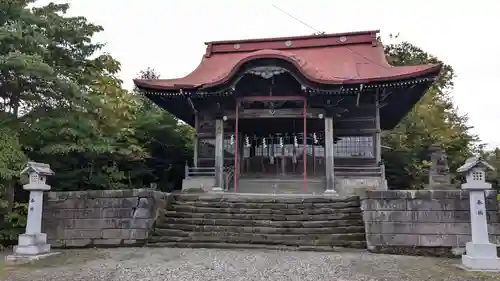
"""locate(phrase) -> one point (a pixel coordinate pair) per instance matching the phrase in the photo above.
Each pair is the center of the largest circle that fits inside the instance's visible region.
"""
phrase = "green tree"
(62, 103)
(64, 98)
(167, 139)
(12, 159)
(434, 119)
(493, 158)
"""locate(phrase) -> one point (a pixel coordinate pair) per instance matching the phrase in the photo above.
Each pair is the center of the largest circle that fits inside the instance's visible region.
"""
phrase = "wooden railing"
(199, 171)
(228, 174)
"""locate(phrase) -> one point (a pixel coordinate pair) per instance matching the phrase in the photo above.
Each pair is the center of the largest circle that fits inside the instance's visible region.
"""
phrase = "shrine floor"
(158, 264)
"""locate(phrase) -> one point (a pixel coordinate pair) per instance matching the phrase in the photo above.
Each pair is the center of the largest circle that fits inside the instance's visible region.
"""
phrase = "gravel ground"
(159, 264)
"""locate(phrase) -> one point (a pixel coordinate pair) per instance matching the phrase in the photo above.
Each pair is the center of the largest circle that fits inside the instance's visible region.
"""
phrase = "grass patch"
(3, 268)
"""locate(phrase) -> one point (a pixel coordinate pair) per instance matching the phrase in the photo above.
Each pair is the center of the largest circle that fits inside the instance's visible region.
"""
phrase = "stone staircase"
(260, 221)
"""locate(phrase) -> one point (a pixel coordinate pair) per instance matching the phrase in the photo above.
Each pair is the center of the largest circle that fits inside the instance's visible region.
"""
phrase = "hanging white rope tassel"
(247, 141)
(315, 138)
(231, 140)
(294, 151)
(281, 142)
(264, 145)
(271, 152)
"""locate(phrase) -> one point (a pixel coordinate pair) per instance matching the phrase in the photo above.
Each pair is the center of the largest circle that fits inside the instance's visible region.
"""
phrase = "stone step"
(179, 230)
(162, 222)
(211, 245)
(357, 168)
(219, 220)
(352, 161)
(264, 198)
(269, 206)
(345, 240)
(274, 217)
(317, 211)
(280, 187)
(358, 173)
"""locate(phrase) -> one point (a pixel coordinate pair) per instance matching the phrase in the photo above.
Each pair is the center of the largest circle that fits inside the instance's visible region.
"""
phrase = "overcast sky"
(169, 35)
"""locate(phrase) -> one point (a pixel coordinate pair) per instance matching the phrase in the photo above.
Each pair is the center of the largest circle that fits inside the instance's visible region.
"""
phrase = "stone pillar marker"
(32, 245)
(481, 255)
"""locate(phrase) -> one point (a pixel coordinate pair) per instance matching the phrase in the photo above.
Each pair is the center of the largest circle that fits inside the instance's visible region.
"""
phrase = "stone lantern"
(33, 243)
(481, 255)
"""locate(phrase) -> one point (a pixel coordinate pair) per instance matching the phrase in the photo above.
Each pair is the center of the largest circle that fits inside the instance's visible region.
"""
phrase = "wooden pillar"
(241, 154)
(314, 158)
(304, 142)
(236, 149)
(219, 155)
(378, 151)
(195, 141)
(329, 154)
(283, 158)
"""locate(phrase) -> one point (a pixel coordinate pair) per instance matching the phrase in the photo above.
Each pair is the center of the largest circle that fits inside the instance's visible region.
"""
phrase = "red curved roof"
(343, 58)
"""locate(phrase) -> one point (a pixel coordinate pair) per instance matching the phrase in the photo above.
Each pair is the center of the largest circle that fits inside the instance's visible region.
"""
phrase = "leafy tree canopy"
(62, 103)
(434, 120)
(493, 158)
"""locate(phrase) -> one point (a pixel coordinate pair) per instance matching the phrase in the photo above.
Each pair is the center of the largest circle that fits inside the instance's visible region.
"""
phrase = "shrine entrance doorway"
(282, 143)
(281, 155)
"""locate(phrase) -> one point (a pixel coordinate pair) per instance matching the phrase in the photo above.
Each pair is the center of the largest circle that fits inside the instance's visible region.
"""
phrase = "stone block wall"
(99, 218)
(422, 222)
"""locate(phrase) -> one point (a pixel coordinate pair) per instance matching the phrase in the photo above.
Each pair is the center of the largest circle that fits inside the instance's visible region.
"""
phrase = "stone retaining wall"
(423, 222)
(99, 218)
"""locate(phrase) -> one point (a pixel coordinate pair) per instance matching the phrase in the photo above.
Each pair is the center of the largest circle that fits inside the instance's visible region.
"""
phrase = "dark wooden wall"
(357, 122)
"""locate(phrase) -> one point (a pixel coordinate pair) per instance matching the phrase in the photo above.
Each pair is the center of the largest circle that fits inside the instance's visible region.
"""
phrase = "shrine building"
(292, 115)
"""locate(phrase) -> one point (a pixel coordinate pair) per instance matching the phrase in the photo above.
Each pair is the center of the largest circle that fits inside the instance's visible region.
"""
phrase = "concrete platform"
(23, 259)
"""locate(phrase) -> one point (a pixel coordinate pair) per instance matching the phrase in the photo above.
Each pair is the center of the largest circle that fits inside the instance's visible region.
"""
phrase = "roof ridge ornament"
(267, 72)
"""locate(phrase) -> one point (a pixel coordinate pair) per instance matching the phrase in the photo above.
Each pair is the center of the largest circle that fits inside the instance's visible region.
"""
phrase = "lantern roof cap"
(474, 162)
(39, 168)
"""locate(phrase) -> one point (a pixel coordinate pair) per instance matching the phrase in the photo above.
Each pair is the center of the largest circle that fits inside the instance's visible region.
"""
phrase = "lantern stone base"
(31, 247)
(331, 192)
(217, 189)
(32, 244)
(481, 257)
(23, 259)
